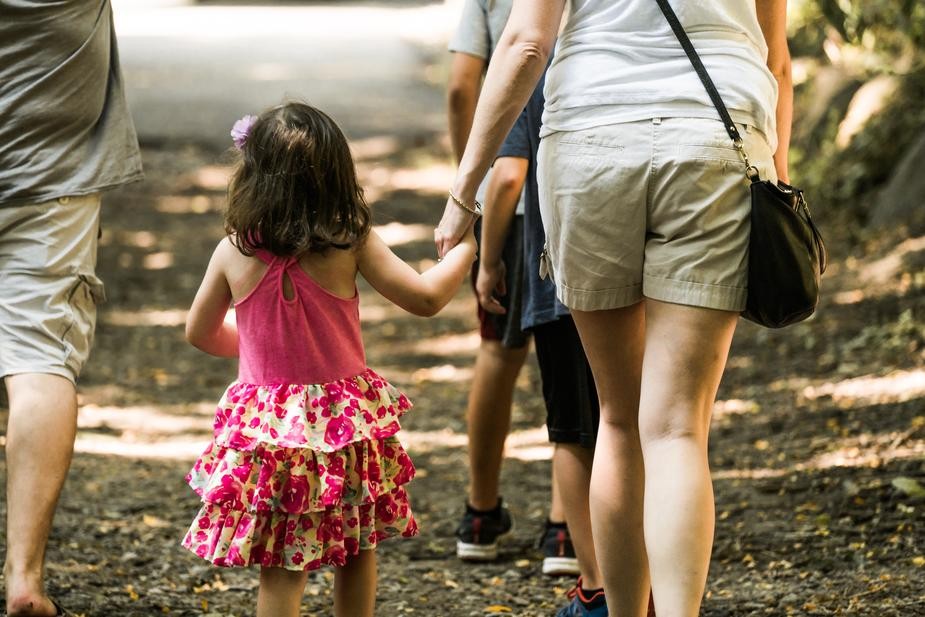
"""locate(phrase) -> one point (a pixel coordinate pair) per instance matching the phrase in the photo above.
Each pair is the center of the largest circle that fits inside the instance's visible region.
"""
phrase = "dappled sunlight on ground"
(896, 386)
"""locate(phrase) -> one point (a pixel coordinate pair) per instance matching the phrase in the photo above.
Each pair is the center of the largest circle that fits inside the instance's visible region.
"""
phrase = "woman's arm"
(515, 68)
(772, 16)
(205, 325)
(421, 294)
(507, 181)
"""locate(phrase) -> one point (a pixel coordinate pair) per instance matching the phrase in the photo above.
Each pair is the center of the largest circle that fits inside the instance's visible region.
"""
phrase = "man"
(65, 136)
(504, 345)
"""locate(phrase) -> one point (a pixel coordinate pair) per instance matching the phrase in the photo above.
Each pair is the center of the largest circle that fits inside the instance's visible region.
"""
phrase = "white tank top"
(618, 61)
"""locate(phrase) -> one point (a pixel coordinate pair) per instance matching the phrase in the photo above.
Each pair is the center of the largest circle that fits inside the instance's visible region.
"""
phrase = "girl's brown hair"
(295, 190)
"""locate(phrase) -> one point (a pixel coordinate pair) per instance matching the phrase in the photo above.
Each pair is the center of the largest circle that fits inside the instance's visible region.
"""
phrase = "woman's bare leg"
(613, 341)
(685, 354)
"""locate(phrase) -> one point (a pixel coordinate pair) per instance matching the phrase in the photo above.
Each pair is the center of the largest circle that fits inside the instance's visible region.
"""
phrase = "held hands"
(490, 283)
(453, 226)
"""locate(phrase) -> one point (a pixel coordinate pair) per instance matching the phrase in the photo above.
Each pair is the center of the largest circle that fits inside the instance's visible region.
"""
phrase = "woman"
(646, 214)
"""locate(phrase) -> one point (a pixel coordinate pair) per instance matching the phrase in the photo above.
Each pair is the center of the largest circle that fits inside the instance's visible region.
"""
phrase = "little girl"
(305, 468)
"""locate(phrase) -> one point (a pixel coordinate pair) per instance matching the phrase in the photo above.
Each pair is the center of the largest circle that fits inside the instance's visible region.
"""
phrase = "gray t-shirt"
(65, 128)
(480, 28)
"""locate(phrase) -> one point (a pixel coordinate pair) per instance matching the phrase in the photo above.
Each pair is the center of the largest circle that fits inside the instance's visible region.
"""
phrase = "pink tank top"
(309, 339)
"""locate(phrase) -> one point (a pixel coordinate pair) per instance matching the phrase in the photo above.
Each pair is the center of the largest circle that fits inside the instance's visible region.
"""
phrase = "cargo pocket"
(85, 294)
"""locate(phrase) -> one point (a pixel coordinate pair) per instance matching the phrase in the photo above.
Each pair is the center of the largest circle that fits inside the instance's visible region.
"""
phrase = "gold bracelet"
(477, 210)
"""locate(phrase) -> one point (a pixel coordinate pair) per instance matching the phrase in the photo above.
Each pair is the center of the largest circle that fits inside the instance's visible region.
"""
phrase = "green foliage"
(837, 177)
(889, 25)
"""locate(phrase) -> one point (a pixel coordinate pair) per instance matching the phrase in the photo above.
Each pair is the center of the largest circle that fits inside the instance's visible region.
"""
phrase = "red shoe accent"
(476, 529)
(560, 542)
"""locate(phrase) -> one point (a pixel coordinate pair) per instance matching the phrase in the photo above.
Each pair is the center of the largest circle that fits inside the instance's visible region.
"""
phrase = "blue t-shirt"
(540, 305)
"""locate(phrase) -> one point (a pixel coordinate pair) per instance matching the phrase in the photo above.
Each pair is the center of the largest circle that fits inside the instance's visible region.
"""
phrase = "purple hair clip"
(242, 130)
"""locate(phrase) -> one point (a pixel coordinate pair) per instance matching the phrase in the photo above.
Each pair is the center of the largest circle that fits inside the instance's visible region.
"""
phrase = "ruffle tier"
(322, 417)
(300, 476)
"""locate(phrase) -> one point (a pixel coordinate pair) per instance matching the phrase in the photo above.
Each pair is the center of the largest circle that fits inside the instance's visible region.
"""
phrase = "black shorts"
(572, 409)
(506, 328)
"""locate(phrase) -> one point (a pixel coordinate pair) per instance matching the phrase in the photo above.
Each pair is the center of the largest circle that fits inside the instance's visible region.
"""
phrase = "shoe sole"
(481, 552)
(560, 566)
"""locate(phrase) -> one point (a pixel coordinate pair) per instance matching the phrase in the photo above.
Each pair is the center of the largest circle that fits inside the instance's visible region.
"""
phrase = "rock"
(902, 199)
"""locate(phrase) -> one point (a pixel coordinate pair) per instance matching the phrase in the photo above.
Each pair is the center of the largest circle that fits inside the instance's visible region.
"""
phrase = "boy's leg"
(355, 586)
(572, 463)
(572, 420)
(280, 593)
(40, 441)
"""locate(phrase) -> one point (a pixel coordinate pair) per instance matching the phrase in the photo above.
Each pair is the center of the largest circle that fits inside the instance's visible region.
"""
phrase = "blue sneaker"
(576, 608)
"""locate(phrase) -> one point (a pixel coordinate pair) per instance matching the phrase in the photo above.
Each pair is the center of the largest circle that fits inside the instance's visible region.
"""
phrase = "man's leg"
(40, 442)
(488, 417)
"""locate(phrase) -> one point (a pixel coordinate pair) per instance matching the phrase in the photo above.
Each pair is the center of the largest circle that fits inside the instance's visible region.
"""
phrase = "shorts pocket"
(86, 292)
(711, 153)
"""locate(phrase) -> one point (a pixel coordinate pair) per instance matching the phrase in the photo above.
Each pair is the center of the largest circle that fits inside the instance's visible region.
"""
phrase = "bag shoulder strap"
(750, 171)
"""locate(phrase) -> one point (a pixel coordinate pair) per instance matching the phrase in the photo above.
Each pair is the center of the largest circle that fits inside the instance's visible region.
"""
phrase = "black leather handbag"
(786, 254)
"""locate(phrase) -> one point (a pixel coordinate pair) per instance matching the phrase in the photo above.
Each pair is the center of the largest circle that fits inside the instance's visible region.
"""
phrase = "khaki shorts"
(48, 285)
(657, 208)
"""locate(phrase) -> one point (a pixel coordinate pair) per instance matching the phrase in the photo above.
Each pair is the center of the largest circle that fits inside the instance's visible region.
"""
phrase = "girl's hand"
(452, 227)
(490, 283)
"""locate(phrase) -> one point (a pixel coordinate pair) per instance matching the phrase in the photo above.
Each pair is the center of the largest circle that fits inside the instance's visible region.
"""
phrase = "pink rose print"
(244, 527)
(411, 529)
(381, 432)
(242, 472)
(330, 528)
(375, 472)
(295, 494)
(238, 441)
(335, 555)
(352, 546)
(227, 491)
(339, 432)
(404, 403)
(352, 388)
(386, 509)
(234, 557)
(332, 494)
(298, 558)
(336, 465)
(334, 391)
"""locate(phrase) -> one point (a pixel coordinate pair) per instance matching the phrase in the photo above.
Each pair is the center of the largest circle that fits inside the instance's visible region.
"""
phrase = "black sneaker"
(478, 533)
(558, 553)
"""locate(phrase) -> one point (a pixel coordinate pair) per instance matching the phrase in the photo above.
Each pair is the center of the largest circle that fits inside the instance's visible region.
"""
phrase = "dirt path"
(815, 430)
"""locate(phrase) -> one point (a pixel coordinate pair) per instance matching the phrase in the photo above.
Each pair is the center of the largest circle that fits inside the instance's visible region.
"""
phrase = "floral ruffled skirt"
(300, 476)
